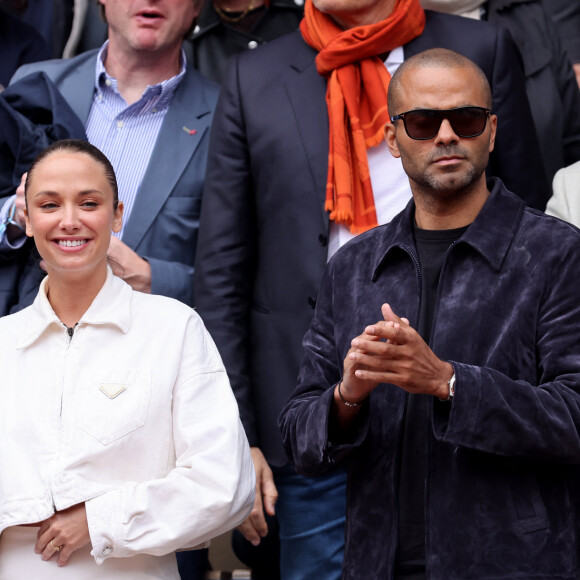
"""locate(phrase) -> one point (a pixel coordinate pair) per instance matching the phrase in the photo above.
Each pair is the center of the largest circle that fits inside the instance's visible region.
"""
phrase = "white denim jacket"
(133, 415)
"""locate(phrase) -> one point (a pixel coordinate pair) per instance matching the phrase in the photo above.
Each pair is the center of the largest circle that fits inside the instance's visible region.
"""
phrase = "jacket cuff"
(171, 279)
(106, 536)
(338, 448)
(450, 419)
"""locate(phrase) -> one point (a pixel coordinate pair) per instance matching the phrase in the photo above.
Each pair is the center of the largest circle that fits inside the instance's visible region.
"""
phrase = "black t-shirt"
(410, 560)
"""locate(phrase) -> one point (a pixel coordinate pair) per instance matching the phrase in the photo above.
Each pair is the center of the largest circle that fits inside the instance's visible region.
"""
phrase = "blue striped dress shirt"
(126, 134)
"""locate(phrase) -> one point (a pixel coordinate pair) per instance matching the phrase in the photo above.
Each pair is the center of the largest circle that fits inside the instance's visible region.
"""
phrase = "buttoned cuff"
(105, 527)
(18, 242)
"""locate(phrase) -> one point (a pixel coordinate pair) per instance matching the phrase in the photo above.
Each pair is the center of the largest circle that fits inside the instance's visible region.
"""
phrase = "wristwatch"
(451, 383)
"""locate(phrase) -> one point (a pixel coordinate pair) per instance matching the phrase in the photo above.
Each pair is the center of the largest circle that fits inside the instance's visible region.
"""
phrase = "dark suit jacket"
(33, 114)
(566, 15)
(164, 222)
(264, 231)
(19, 44)
(550, 81)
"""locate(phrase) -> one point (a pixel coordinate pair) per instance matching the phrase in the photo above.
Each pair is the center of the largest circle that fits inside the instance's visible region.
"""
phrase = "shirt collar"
(163, 91)
(111, 306)
(491, 233)
(396, 57)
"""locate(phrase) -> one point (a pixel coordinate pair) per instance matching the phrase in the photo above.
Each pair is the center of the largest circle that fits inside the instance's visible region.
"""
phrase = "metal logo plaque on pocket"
(112, 390)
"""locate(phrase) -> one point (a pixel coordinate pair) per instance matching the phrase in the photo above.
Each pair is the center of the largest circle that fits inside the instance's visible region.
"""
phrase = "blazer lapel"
(184, 126)
(78, 88)
(306, 90)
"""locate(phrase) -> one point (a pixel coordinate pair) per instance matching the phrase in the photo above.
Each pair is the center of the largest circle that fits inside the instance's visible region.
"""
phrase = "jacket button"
(107, 551)
(312, 302)
(252, 44)
(323, 240)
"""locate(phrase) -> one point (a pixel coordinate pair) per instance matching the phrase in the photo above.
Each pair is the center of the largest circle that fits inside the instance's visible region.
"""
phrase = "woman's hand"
(63, 533)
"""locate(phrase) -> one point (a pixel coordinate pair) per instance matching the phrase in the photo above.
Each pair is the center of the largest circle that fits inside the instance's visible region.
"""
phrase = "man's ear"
(391, 139)
(493, 126)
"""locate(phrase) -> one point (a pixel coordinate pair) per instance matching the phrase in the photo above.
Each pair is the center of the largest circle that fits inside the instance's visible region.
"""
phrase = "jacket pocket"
(530, 511)
(115, 405)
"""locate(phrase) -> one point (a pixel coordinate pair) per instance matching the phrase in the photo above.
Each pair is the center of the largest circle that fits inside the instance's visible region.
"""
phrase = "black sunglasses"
(423, 124)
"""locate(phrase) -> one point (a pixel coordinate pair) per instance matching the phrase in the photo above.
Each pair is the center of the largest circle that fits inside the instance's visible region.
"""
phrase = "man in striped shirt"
(149, 113)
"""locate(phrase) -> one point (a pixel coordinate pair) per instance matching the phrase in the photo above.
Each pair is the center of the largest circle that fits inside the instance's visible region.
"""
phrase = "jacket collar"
(111, 306)
(491, 233)
(303, 56)
(191, 108)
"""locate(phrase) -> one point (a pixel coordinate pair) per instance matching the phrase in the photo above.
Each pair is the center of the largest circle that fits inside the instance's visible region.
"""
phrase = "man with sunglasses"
(285, 158)
(442, 366)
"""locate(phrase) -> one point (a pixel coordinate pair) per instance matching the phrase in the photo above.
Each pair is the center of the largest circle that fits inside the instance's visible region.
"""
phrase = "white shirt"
(133, 414)
(391, 189)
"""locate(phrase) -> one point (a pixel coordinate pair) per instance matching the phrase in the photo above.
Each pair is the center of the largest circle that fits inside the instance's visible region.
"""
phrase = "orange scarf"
(356, 97)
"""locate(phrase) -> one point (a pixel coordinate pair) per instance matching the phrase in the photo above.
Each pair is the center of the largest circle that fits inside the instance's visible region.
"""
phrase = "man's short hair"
(433, 58)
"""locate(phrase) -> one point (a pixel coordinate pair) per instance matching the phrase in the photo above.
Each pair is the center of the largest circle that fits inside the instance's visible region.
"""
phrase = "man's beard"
(454, 182)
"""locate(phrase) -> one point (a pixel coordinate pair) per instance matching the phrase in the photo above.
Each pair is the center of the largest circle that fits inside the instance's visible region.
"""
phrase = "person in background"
(222, 30)
(551, 84)
(275, 210)
(227, 27)
(19, 43)
(88, 30)
(565, 201)
(566, 16)
(150, 114)
(114, 452)
(442, 364)
(52, 19)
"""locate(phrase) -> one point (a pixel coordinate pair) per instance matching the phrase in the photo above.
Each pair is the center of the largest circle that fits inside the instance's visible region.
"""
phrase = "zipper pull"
(70, 330)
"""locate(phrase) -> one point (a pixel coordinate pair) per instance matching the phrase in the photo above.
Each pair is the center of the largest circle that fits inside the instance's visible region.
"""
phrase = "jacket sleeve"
(566, 86)
(225, 260)
(305, 420)
(173, 279)
(517, 161)
(566, 15)
(209, 488)
(551, 84)
(496, 414)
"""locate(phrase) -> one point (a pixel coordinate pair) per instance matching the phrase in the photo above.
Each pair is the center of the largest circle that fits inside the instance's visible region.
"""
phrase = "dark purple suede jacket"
(502, 485)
